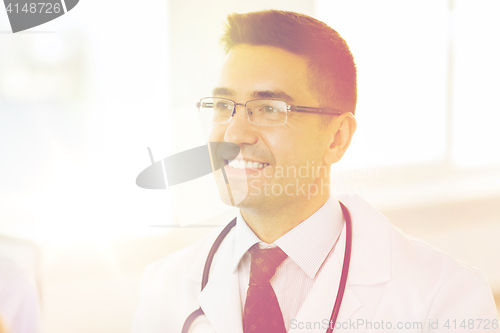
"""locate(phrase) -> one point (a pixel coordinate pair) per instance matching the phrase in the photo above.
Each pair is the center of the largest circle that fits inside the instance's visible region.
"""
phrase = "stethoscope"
(343, 279)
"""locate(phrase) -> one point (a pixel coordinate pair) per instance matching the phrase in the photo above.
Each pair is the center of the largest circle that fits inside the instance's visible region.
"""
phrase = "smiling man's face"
(276, 179)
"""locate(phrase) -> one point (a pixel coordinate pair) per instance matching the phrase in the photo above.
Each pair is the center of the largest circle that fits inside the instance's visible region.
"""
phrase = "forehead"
(249, 69)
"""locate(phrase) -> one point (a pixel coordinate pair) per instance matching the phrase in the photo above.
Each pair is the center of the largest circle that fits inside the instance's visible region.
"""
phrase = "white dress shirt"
(308, 245)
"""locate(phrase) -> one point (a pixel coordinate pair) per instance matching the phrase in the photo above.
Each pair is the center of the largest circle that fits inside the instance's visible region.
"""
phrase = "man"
(286, 98)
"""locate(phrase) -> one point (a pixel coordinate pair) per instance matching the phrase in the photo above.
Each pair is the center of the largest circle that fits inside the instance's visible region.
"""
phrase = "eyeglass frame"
(289, 108)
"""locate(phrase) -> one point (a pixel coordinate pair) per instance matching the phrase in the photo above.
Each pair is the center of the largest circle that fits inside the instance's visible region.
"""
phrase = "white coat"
(393, 280)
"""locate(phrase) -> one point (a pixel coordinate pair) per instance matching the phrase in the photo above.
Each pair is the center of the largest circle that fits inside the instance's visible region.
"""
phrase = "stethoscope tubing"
(345, 267)
(206, 271)
(343, 278)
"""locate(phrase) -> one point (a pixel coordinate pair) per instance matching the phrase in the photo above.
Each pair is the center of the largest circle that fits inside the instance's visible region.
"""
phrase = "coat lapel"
(220, 300)
(371, 244)
(370, 265)
(315, 313)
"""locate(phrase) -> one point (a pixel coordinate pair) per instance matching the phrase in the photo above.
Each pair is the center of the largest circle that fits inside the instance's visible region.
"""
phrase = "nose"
(240, 131)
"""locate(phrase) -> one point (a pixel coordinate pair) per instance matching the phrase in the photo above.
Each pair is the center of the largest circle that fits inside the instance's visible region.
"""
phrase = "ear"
(341, 131)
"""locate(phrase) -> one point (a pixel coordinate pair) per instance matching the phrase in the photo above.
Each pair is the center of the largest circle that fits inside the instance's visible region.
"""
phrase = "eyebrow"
(222, 91)
(277, 94)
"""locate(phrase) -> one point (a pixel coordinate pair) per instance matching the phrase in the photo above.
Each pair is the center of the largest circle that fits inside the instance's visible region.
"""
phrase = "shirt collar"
(308, 244)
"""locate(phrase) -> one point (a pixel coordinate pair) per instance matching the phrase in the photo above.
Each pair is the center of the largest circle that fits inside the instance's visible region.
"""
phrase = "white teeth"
(241, 164)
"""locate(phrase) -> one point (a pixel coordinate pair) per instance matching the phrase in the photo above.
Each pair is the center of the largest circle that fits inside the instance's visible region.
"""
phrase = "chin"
(233, 194)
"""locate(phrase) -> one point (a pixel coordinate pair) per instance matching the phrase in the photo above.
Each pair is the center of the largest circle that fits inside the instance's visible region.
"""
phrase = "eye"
(222, 105)
(270, 109)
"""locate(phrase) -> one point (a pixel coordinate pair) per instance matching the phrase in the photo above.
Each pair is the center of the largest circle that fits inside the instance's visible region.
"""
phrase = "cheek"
(287, 149)
(279, 144)
(303, 148)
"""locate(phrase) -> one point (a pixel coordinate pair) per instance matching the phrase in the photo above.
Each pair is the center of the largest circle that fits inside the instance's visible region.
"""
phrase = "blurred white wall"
(82, 97)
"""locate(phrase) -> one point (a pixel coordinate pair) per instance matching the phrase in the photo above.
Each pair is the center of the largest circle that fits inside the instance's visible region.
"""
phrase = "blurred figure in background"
(19, 299)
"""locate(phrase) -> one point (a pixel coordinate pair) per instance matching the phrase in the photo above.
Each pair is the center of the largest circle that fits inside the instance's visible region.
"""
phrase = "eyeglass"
(263, 112)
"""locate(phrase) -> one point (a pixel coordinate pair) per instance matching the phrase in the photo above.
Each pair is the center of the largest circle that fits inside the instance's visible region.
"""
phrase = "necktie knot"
(264, 264)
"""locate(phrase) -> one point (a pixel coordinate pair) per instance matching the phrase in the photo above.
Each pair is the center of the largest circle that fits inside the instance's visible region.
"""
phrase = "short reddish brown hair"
(332, 72)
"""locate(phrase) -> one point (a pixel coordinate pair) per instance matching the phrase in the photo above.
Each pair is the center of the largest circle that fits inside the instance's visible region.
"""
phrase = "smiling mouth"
(242, 164)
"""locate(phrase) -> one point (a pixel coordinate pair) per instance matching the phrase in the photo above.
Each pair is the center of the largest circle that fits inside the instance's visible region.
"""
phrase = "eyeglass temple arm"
(314, 110)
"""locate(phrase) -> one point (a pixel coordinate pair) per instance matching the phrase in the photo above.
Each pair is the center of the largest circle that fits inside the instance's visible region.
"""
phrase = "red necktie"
(262, 312)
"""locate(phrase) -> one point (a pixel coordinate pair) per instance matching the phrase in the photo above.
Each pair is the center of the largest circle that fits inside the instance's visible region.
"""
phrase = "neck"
(270, 225)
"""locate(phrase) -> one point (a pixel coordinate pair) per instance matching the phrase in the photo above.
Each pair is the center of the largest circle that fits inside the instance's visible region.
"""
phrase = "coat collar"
(318, 233)
(371, 244)
(220, 300)
(370, 265)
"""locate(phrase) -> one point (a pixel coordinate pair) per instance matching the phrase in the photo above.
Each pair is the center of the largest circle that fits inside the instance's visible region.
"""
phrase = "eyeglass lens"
(259, 112)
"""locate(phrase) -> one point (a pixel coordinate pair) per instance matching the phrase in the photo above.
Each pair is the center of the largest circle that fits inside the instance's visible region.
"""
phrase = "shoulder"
(183, 260)
(450, 288)
(13, 276)
(447, 287)
(186, 263)
(177, 276)
(426, 262)
(8, 269)
(407, 261)
(18, 297)
(412, 273)
(409, 256)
